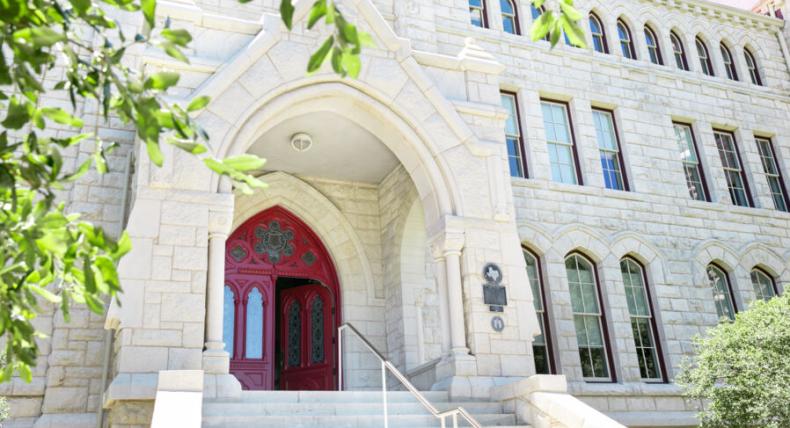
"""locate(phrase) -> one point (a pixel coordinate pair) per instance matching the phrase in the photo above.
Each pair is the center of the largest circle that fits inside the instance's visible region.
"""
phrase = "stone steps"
(346, 409)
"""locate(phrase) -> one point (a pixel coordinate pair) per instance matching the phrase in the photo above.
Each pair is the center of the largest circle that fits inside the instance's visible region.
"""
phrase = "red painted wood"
(275, 243)
(308, 373)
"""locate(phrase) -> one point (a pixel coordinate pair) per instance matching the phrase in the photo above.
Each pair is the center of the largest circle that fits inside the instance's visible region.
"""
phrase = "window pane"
(732, 168)
(228, 320)
(534, 280)
(763, 285)
(294, 335)
(587, 317)
(721, 293)
(563, 164)
(254, 329)
(317, 331)
(513, 136)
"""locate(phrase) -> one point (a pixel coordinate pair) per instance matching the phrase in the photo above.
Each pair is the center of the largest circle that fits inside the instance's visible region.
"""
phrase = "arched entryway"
(281, 305)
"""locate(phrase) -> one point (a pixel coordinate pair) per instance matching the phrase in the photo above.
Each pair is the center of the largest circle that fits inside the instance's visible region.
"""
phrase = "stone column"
(215, 358)
(455, 302)
(444, 316)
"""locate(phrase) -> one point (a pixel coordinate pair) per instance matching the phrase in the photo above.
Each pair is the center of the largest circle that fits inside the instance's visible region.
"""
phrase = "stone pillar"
(444, 315)
(215, 358)
(455, 302)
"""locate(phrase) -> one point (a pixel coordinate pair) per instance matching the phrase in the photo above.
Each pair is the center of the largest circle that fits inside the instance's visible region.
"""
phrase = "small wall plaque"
(494, 293)
(497, 323)
(492, 274)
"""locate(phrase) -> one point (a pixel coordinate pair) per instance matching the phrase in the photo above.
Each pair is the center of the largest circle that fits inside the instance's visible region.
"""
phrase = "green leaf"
(61, 116)
(124, 245)
(541, 27)
(320, 55)
(287, 13)
(18, 114)
(316, 13)
(161, 80)
(149, 12)
(574, 32)
(570, 12)
(198, 103)
(43, 292)
(179, 37)
(39, 36)
(152, 146)
(351, 64)
(245, 162)
(176, 53)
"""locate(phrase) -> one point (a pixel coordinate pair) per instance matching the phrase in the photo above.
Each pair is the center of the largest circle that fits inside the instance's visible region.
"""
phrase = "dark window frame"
(604, 42)
(521, 145)
(780, 175)
(731, 70)
(653, 323)
(708, 63)
(577, 165)
(535, 13)
(631, 41)
(699, 159)
(683, 58)
(746, 188)
(517, 26)
(729, 284)
(774, 286)
(653, 33)
(620, 157)
(754, 71)
(547, 333)
(484, 13)
(604, 323)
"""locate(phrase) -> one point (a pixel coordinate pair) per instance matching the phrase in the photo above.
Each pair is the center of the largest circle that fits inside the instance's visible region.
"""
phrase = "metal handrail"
(387, 365)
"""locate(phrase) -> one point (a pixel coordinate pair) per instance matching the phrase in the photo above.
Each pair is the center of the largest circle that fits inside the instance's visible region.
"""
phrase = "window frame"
(514, 17)
(602, 35)
(603, 323)
(778, 175)
(547, 337)
(656, 48)
(700, 168)
(663, 378)
(729, 65)
(729, 287)
(754, 71)
(574, 152)
(705, 61)
(684, 64)
(741, 171)
(764, 272)
(620, 156)
(521, 146)
(630, 41)
(483, 13)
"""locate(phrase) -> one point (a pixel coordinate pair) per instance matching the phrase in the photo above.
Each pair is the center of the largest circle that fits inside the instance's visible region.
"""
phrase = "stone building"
(627, 196)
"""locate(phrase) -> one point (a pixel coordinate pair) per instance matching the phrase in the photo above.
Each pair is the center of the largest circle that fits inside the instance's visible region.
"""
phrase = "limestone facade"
(409, 248)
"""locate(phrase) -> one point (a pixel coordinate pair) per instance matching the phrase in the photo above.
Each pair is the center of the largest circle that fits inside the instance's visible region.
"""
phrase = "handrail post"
(340, 358)
(384, 392)
(455, 420)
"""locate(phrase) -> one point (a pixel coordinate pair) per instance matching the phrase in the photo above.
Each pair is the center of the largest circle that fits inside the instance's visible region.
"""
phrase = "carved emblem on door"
(274, 242)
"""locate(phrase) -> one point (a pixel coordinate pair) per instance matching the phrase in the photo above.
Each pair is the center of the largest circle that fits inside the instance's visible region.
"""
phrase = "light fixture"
(301, 141)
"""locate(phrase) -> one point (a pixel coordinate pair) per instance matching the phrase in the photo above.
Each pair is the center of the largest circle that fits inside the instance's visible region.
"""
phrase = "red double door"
(282, 339)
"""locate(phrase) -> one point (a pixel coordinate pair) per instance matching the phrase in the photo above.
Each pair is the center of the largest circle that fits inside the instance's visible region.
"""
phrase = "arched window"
(704, 57)
(477, 11)
(722, 292)
(643, 322)
(536, 12)
(541, 346)
(751, 64)
(509, 16)
(598, 34)
(229, 319)
(764, 284)
(253, 343)
(653, 49)
(626, 41)
(589, 319)
(679, 51)
(729, 64)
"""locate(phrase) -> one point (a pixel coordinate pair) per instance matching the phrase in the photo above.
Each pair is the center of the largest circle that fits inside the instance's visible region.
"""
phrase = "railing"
(387, 365)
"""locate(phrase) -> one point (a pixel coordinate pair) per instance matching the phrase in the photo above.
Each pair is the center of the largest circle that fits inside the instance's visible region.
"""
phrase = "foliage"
(554, 23)
(742, 370)
(75, 50)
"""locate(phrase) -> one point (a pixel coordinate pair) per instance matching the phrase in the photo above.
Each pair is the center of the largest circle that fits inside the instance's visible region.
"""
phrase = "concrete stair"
(346, 409)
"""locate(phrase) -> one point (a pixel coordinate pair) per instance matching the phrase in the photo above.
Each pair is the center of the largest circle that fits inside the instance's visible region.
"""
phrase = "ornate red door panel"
(306, 338)
(249, 329)
(275, 243)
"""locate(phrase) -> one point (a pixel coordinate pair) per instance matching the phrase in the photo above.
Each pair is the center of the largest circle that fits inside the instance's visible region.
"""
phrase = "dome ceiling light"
(301, 142)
